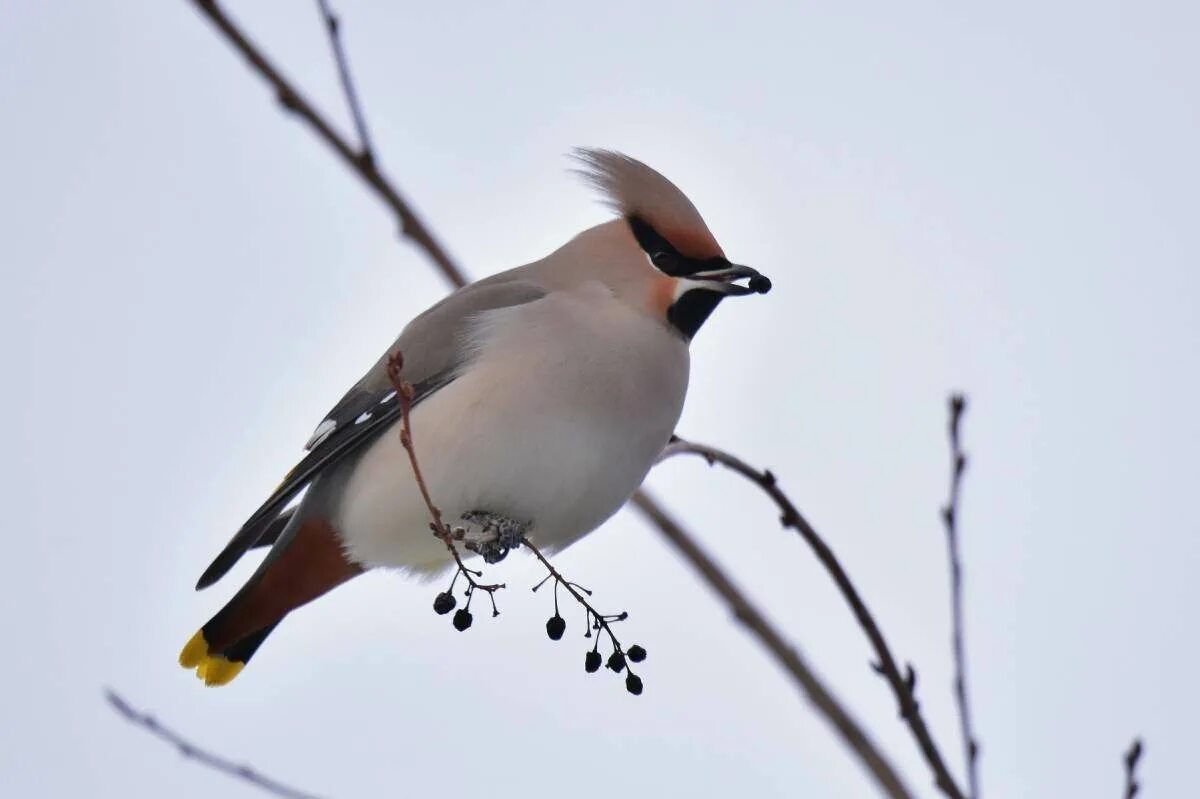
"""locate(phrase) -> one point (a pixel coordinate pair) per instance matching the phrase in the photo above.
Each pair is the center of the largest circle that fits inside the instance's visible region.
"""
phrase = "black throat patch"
(691, 310)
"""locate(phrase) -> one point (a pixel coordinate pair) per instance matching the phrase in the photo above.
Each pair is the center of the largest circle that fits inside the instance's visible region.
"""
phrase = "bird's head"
(666, 260)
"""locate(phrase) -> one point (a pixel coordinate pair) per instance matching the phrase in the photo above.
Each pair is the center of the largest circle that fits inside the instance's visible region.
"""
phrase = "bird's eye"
(662, 260)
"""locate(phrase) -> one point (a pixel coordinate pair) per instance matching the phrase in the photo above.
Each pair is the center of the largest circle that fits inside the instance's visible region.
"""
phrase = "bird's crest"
(633, 189)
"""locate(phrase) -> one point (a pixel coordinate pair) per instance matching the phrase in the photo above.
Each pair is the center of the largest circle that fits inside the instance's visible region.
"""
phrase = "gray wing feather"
(432, 345)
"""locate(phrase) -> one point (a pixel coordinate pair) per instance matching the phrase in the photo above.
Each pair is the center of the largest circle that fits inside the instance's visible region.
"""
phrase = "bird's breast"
(560, 413)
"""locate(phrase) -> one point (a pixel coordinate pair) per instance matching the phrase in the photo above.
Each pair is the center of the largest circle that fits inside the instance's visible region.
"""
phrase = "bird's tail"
(299, 569)
(218, 668)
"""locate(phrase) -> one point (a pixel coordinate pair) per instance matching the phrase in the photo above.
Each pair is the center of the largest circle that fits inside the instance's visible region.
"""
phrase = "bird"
(541, 397)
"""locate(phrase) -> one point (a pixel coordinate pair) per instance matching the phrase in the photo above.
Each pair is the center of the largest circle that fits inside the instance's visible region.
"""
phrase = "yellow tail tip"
(194, 652)
(213, 669)
(219, 671)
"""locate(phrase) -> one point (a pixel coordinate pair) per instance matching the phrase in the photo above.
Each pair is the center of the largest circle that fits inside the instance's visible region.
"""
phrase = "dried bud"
(555, 627)
(616, 662)
(591, 663)
(462, 619)
(633, 684)
(444, 603)
(636, 653)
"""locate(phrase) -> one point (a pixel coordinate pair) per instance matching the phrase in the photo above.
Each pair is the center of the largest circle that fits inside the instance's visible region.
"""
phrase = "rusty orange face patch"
(662, 294)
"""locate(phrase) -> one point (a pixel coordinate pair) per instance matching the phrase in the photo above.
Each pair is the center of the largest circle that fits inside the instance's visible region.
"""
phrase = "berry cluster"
(445, 602)
(556, 626)
(616, 662)
(594, 621)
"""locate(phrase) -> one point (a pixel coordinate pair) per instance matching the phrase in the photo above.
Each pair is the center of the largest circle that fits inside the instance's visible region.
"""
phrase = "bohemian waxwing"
(543, 396)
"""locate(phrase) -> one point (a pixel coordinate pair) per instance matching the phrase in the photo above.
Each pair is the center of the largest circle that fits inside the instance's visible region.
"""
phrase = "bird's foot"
(491, 535)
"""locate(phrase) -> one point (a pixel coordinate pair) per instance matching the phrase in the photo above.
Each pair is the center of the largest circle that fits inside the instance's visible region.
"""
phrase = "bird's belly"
(548, 451)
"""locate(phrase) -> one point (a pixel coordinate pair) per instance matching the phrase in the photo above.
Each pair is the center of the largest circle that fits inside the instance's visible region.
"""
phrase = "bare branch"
(189, 750)
(293, 100)
(902, 685)
(851, 733)
(958, 464)
(333, 26)
(1131, 761)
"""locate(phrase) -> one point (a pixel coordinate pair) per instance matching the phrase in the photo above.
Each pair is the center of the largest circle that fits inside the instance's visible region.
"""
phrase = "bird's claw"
(491, 535)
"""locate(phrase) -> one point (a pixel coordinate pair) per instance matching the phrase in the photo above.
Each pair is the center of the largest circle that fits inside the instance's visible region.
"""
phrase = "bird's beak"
(725, 280)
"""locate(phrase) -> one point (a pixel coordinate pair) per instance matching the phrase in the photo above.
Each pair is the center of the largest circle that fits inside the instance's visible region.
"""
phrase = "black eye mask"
(665, 257)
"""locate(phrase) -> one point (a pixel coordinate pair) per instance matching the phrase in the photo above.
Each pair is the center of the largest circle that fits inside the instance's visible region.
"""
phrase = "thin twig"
(293, 100)
(602, 620)
(333, 25)
(958, 464)
(851, 733)
(404, 391)
(1132, 786)
(902, 686)
(193, 752)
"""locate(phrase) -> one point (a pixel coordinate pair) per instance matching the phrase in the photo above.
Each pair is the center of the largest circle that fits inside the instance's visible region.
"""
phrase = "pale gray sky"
(1001, 199)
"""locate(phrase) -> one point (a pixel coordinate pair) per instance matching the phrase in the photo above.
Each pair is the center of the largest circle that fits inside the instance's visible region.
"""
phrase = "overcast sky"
(1002, 200)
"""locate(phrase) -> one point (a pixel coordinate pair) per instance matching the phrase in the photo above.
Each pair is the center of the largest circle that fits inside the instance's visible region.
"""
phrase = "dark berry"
(636, 653)
(616, 662)
(444, 603)
(462, 619)
(555, 627)
(592, 662)
(633, 684)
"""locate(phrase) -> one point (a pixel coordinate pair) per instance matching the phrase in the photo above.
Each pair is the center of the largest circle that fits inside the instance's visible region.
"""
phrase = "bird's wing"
(435, 352)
